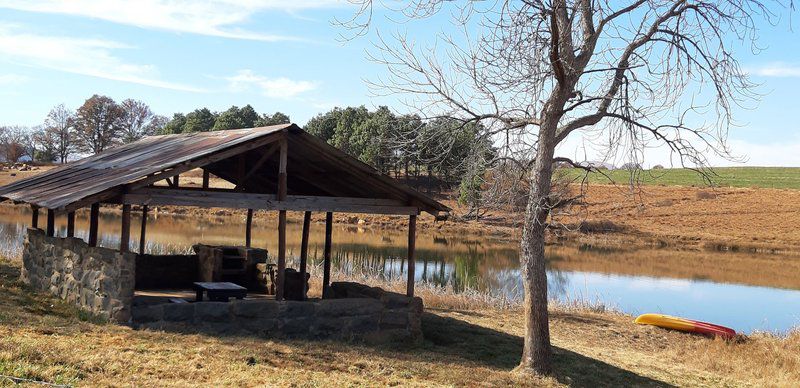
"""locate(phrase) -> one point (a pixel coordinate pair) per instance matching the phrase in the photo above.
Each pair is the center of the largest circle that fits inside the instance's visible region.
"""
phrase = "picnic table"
(219, 291)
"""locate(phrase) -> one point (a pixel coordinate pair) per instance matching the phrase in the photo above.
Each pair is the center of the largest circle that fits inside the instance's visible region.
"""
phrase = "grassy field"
(763, 177)
(43, 339)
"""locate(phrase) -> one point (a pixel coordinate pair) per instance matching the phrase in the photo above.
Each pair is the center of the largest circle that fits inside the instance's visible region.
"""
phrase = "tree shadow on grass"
(462, 340)
(19, 304)
(449, 338)
(454, 341)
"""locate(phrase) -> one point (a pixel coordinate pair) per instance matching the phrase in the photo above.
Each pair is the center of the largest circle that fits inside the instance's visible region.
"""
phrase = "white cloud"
(12, 79)
(271, 87)
(92, 57)
(776, 69)
(205, 17)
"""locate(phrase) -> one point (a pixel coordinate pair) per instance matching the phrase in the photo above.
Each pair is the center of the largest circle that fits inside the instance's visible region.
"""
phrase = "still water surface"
(746, 291)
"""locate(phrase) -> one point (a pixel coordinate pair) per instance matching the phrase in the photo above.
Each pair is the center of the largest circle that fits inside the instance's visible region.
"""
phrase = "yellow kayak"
(687, 325)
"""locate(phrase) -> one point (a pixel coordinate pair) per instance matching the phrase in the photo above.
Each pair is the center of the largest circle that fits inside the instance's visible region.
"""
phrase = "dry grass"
(743, 218)
(44, 339)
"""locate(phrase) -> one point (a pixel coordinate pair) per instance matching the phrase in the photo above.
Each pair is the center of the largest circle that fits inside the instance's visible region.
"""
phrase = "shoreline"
(602, 233)
(743, 219)
(600, 239)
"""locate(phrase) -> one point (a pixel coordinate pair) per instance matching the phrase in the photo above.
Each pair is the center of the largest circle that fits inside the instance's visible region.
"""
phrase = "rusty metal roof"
(108, 172)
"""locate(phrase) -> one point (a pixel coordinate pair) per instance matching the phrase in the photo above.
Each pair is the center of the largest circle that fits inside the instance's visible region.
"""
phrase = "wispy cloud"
(92, 57)
(12, 79)
(222, 18)
(776, 69)
(280, 87)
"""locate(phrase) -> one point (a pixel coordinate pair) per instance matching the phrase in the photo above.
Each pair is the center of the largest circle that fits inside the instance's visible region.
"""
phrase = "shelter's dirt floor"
(44, 339)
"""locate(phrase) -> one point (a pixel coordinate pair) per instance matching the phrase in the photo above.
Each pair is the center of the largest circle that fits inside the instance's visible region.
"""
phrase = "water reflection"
(744, 290)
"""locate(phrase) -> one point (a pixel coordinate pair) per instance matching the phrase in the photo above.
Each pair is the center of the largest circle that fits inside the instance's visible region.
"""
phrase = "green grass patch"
(763, 177)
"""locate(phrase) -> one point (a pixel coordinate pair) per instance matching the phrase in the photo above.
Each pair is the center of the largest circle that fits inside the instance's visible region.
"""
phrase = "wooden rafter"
(254, 169)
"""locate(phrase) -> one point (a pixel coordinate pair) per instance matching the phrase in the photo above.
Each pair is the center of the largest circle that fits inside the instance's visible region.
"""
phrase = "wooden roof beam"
(241, 200)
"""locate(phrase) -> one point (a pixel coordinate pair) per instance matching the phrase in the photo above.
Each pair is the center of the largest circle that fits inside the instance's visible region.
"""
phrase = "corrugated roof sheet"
(116, 167)
(120, 165)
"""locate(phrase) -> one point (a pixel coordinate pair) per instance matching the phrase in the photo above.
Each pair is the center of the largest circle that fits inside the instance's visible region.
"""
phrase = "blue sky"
(278, 56)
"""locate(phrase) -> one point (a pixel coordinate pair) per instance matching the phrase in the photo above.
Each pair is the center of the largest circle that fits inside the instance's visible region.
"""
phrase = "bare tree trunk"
(536, 352)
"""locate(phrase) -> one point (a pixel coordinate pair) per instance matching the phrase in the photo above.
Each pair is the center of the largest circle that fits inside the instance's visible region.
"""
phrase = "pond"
(746, 291)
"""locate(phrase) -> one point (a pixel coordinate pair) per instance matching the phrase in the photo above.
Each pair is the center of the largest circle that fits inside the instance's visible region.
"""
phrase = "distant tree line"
(204, 120)
(404, 145)
(96, 125)
(101, 123)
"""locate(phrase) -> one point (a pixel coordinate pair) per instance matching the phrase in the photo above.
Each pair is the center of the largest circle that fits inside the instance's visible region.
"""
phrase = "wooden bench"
(219, 291)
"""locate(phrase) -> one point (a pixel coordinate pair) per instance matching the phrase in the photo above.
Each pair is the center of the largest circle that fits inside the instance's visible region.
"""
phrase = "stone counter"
(99, 280)
(375, 315)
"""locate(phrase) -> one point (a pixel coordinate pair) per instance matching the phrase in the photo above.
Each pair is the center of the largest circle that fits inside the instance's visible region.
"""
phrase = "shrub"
(601, 226)
(702, 194)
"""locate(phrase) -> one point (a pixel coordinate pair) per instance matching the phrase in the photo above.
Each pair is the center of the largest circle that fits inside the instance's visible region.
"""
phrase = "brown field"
(738, 218)
(7, 176)
(44, 339)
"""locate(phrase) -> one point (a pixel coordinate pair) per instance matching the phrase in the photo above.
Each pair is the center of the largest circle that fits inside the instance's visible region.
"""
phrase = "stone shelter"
(277, 168)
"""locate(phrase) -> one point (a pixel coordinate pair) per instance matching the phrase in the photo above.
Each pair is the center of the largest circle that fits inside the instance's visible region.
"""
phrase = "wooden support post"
(281, 254)
(125, 234)
(304, 249)
(281, 223)
(326, 261)
(51, 222)
(206, 178)
(176, 181)
(248, 233)
(71, 224)
(412, 242)
(143, 232)
(34, 217)
(94, 215)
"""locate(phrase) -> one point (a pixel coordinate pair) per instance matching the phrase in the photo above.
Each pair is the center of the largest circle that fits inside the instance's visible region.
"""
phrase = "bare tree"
(14, 142)
(97, 123)
(136, 121)
(636, 72)
(58, 132)
(156, 125)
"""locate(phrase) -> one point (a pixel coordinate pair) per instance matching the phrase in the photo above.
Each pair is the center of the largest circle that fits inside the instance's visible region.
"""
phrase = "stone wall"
(99, 280)
(376, 316)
